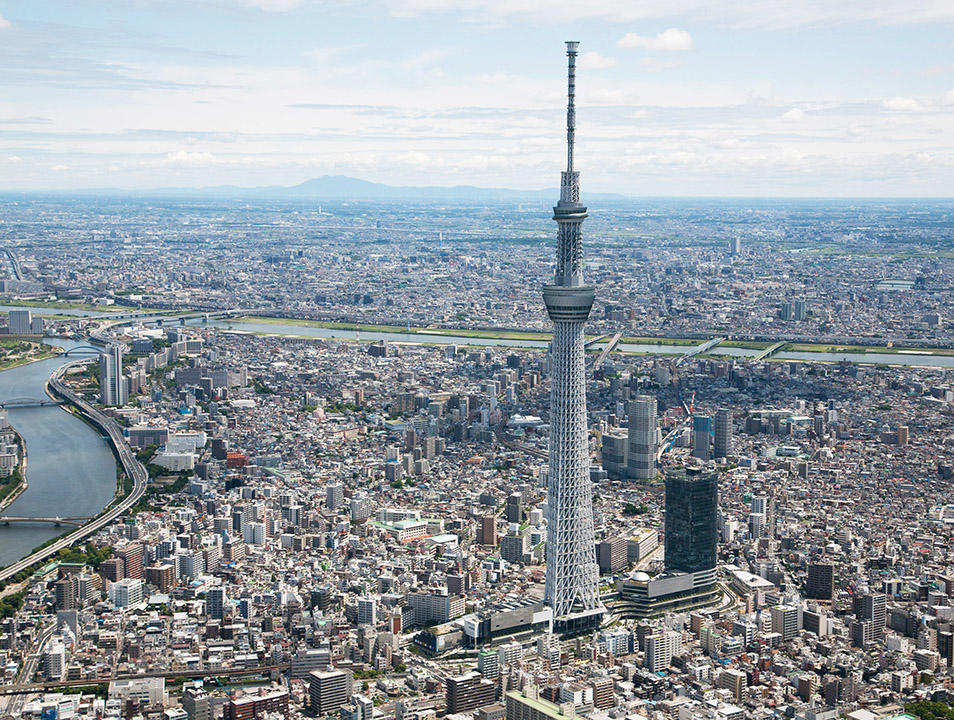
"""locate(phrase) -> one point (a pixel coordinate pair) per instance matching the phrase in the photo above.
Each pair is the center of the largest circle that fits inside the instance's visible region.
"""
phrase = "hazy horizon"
(678, 99)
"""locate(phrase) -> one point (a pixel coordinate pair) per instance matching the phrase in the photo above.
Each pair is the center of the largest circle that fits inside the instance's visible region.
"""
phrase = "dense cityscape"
(371, 460)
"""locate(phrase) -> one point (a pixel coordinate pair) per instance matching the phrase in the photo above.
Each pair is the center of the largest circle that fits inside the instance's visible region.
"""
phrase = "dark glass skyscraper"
(692, 516)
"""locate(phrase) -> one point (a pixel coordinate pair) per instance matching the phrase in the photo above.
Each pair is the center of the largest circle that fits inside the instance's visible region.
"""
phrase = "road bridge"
(24, 402)
(768, 352)
(75, 521)
(610, 346)
(82, 350)
(700, 349)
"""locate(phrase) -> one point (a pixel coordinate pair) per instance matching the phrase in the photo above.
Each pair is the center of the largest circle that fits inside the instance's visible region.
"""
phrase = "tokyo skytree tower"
(572, 582)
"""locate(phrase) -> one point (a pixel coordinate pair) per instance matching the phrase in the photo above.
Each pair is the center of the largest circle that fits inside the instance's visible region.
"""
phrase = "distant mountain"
(341, 187)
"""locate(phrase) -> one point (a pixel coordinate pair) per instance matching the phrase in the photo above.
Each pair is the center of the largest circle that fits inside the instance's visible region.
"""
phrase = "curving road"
(134, 469)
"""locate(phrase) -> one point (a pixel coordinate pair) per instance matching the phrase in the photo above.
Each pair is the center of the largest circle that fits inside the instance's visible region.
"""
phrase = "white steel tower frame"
(572, 581)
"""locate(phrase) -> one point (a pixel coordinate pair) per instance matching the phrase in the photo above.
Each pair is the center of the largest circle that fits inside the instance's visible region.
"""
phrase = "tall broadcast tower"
(572, 587)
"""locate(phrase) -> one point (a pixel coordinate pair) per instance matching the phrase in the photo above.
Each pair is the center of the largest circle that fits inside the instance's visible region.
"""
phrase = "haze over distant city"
(679, 98)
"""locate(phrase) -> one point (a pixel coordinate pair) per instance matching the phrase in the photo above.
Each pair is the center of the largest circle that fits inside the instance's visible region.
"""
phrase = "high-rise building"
(572, 575)
(367, 610)
(613, 554)
(659, 651)
(613, 454)
(468, 692)
(215, 603)
(112, 384)
(701, 434)
(196, 702)
(798, 310)
(692, 519)
(328, 690)
(821, 581)
(873, 607)
(722, 446)
(641, 453)
(785, 621)
(488, 530)
(19, 322)
(334, 496)
(131, 555)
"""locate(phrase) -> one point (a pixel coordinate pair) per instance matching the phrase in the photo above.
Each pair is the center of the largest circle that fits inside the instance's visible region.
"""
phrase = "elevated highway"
(133, 468)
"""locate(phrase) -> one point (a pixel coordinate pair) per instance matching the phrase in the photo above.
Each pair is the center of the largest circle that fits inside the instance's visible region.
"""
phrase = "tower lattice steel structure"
(572, 583)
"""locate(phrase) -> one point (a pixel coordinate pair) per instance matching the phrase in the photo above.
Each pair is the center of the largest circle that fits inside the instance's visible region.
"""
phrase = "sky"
(675, 97)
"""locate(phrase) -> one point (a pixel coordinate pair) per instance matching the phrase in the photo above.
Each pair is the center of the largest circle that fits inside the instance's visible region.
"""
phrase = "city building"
(701, 436)
(641, 452)
(468, 692)
(112, 384)
(328, 690)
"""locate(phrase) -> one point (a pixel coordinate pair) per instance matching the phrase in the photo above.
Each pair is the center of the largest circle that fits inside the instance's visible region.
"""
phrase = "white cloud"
(948, 98)
(595, 61)
(794, 115)
(183, 157)
(671, 40)
(763, 15)
(60, 168)
(14, 159)
(655, 64)
(274, 5)
(903, 104)
(4, 23)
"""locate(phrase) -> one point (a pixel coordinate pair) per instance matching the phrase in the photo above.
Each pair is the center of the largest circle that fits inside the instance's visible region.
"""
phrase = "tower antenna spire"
(571, 50)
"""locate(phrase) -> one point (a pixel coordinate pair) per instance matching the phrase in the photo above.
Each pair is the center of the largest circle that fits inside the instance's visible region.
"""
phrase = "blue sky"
(676, 97)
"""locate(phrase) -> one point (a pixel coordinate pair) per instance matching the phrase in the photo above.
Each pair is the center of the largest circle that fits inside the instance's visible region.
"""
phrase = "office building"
(572, 575)
(328, 690)
(820, 584)
(722, 446)
(701, 436)
(692, 519)
(641, 452)
(613, 454)
(468, 692)
(612, 554)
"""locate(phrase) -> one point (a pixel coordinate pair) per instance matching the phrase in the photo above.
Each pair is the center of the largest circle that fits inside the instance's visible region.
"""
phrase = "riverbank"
(14, 353)
(18, 483)
(755, 345)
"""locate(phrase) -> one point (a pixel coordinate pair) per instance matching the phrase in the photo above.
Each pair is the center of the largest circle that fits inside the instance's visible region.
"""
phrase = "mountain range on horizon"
(339, 188)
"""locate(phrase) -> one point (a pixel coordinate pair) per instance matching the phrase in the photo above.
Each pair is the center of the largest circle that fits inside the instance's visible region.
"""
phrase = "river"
(70, 468)
(448, 338)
